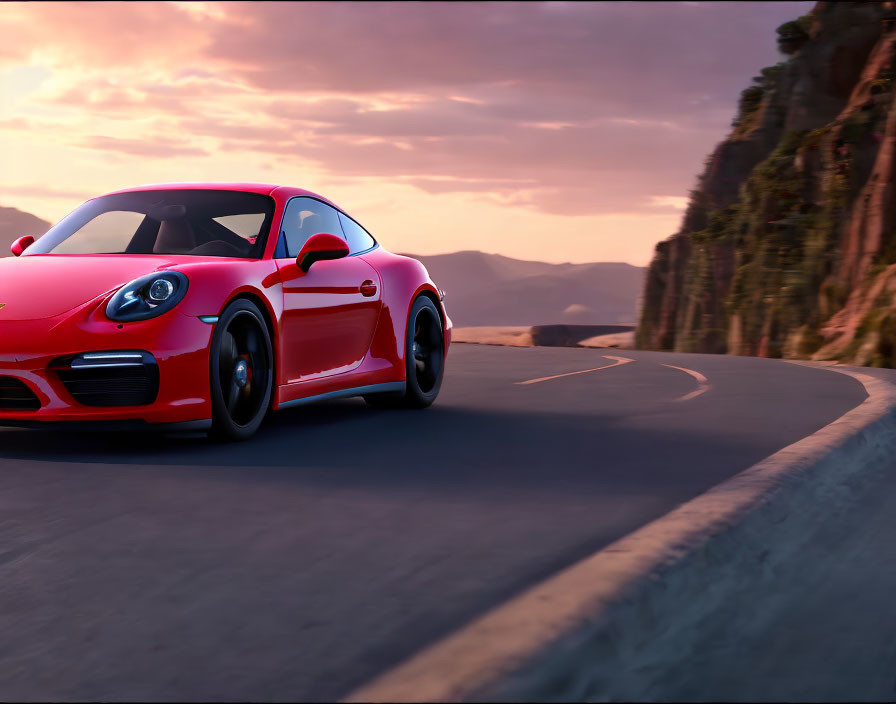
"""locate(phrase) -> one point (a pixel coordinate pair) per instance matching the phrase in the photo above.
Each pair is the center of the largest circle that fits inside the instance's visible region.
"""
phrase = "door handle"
(368, 288)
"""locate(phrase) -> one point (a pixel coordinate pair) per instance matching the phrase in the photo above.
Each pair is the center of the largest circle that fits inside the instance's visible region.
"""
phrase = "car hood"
(47, 285)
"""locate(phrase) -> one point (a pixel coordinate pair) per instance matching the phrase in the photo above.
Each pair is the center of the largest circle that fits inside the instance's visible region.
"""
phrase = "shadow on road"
(328, 548)
(347, 443)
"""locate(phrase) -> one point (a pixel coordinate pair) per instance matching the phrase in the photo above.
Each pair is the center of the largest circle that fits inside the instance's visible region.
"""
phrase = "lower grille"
(15, 395)
(110, 378)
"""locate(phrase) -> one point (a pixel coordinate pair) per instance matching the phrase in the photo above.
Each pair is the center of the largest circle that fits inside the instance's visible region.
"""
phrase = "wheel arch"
(434, 297)
(267, 314)
(432, 294)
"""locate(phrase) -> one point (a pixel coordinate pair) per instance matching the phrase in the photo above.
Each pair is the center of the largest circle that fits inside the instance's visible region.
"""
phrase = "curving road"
(342, 539)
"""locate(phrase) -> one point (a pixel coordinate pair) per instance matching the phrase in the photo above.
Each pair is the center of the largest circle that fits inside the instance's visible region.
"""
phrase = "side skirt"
(126, 425)
(391, 386)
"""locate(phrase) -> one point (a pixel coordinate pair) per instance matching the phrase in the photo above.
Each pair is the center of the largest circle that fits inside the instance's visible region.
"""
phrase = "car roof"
(263, 188)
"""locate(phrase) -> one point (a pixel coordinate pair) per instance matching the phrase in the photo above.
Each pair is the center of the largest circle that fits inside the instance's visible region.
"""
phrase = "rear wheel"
(424, 360)
(241, 372)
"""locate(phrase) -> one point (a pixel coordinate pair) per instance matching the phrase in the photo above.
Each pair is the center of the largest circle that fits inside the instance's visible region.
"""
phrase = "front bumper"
(179, 344)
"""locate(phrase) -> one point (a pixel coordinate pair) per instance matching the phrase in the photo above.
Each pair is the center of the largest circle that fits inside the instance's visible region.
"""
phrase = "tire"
(240, 372)
(424, 359)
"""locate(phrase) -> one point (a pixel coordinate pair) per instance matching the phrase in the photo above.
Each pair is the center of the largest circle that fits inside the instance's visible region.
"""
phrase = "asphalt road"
(342, 539)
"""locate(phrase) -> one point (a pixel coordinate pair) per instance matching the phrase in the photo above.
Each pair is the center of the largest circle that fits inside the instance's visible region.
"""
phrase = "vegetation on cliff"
(788, 245)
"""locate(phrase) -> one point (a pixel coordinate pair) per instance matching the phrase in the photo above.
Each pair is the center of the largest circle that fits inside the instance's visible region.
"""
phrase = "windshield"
(202, 223)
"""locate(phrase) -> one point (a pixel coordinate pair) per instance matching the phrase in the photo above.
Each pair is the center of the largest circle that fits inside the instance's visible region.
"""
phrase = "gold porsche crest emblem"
(2, 306)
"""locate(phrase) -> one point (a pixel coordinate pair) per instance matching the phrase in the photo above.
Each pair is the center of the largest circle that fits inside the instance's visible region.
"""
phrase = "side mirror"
(321, 246)
(21, 244)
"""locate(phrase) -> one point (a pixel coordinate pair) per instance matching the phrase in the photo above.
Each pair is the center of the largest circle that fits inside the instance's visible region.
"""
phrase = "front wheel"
(240, 372)
(424, 360)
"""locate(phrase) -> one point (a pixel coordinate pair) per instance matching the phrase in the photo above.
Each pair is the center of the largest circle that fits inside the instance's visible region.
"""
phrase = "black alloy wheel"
(424, 360)
(241, 372)
(427, 348)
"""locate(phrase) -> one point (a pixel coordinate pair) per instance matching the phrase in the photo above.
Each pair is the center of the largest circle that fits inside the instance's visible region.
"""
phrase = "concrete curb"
(610, 626)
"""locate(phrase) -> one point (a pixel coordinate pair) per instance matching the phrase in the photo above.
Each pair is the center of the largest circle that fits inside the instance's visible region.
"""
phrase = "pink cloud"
(33, 190)
(97, 35)
(160, 148)
(634, 94)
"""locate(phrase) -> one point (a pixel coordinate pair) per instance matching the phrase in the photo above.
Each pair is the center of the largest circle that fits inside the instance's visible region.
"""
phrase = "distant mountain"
(14, 224)
(490, 289)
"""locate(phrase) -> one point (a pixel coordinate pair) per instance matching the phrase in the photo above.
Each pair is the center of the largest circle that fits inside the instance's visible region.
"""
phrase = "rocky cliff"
(788, 245)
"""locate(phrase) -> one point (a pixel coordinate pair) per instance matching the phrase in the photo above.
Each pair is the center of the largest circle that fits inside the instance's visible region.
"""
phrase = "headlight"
(147, 297)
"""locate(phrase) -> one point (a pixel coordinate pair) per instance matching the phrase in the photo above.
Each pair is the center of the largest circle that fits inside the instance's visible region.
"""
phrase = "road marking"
(702, 381)
(619, 360)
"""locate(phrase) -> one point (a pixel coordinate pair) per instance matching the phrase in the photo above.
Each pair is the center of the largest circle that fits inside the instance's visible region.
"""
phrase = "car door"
(330, 312)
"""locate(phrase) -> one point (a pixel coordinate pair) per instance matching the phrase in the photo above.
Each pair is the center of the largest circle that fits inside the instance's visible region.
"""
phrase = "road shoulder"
(605, 626)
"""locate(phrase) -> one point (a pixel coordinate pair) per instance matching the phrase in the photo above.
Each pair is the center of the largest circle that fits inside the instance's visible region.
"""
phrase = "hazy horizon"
(557, 132)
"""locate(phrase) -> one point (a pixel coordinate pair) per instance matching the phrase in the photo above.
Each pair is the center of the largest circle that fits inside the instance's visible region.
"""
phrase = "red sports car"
(201, 306)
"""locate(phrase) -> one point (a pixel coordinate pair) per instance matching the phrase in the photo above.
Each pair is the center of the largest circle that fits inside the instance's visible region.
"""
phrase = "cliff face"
(788, 245)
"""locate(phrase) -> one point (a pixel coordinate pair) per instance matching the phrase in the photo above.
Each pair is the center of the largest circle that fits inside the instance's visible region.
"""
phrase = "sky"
(557, 131)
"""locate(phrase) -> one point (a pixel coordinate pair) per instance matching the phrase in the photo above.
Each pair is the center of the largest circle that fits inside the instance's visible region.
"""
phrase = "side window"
(304, 217)
(357, 237)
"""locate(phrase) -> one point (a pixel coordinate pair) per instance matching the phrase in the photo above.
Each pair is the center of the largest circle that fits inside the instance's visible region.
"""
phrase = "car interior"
(204, 238)
(173, 229)
(309, 224)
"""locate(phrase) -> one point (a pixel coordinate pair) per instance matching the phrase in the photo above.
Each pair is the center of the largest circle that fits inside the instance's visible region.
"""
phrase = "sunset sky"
(556, 131)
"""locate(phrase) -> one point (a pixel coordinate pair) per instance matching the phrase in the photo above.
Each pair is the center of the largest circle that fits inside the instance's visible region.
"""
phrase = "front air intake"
(16, 396)
(118, 378)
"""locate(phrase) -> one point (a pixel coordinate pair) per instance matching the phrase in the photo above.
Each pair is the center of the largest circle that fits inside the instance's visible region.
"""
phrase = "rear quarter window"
(357, 237)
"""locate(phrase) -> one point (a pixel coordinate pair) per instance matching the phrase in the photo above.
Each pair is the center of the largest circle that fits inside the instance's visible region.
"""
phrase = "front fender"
(212, 285)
